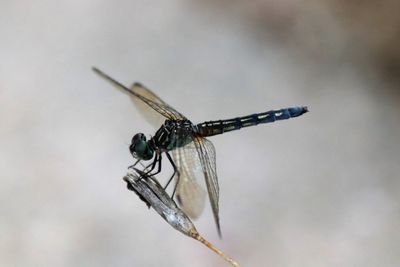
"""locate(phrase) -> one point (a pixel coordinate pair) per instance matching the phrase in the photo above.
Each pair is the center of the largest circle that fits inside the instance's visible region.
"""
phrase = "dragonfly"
(187, 143)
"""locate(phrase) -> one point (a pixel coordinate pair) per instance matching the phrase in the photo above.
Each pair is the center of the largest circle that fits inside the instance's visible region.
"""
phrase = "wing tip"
(219, 231)
(98, 71)
(101, 73)
(216, 217)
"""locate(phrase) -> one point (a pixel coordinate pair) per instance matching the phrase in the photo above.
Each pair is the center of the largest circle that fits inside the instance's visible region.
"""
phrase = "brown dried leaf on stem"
(152, 193)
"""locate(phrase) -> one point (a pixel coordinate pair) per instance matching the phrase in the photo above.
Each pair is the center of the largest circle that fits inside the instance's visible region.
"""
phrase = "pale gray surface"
(318, 190)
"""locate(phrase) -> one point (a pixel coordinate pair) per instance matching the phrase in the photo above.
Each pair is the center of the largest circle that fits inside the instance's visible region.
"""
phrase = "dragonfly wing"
(138, 91)
(189, 193)
(150, 115)
(153, 117)
(206, 152)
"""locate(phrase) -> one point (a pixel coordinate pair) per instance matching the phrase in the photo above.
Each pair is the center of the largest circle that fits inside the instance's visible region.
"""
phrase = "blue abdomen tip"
(297, 111)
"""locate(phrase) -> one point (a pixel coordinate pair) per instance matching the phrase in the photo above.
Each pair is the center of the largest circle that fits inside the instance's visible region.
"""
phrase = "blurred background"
(318, 190)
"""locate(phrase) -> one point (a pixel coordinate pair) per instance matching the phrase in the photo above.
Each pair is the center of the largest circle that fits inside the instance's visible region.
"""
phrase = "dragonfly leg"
(132, 166)
(151, 165)
(176, 184)
(175, 172)
(156, 160)
(145, 177)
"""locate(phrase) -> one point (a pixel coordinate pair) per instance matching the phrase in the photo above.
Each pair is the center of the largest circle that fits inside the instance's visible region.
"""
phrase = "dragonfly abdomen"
(210, 128)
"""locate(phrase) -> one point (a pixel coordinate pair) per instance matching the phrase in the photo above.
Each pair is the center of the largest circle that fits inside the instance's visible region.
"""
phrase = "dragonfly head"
(140, 148)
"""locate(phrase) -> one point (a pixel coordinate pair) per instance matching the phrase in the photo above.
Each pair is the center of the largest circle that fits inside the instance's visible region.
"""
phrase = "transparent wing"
(138, 91)
(206, 152)
(150, 115)
(189, 193)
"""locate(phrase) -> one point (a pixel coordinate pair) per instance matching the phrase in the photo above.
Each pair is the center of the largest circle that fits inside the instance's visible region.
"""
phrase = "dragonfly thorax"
(173, 134)
(140, 148)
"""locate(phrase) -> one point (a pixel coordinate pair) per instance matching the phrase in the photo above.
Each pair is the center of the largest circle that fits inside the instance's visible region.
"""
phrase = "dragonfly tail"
(210, 128)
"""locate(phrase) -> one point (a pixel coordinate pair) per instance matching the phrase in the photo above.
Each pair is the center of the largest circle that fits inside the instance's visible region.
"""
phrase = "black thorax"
(172, 134)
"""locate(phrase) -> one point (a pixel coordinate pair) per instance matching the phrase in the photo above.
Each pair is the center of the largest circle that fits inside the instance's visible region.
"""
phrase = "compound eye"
(139, 147)
(138, 137)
